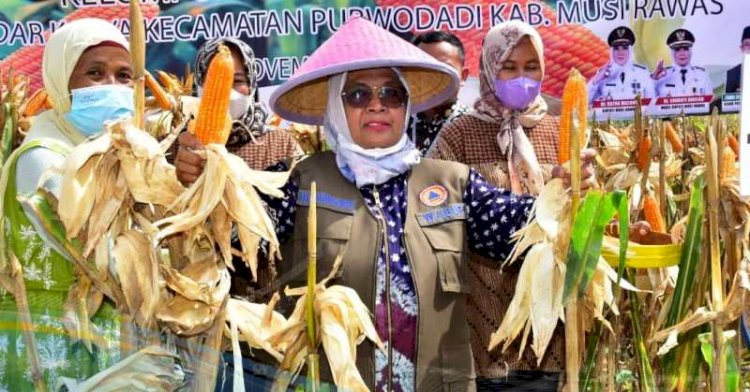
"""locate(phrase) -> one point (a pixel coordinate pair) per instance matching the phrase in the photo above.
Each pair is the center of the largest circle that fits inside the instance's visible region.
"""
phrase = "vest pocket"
(334, 230)
(458, 368)
(447, 241)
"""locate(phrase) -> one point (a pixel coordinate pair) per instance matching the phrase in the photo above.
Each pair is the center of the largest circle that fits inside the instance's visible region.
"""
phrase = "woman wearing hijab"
(250, 138)
(621, 78)
(512, 141)
(87, 73)
(402, 224)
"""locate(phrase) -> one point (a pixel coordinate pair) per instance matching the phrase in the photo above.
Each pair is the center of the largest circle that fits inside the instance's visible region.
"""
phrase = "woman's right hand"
(188, 164)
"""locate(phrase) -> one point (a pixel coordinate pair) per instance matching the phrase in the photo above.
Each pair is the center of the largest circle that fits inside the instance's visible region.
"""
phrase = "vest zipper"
(389, 367)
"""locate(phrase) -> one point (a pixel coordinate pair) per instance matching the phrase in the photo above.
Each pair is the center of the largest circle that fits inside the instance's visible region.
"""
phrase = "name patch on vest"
(326, 200)
(433, 196)
(440, 215)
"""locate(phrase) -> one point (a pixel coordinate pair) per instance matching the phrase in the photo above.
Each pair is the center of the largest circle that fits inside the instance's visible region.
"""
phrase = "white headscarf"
(359, 165)
(617, 69)
(61, 55)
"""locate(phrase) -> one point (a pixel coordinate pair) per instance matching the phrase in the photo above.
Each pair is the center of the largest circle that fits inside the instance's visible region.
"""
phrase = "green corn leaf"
(648, 382)
(689, 256)
(9, 133)
(595, 212)
(732, 376)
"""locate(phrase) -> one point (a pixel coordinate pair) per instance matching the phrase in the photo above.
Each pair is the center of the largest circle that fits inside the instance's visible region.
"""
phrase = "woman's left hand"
(588, 174)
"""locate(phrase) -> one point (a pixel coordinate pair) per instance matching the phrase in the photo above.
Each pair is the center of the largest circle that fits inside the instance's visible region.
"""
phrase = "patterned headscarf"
(511, 138)
(253, 123)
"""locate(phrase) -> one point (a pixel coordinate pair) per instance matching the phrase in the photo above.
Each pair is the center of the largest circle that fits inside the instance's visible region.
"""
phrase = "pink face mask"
(517, 93)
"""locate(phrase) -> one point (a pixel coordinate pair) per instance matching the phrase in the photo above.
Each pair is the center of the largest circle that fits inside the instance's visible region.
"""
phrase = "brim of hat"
(620, 42)
(303, 99)
(681, 43)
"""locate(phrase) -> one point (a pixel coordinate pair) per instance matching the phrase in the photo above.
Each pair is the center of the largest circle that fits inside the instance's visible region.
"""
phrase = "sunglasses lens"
(358, 96)
(392, 97)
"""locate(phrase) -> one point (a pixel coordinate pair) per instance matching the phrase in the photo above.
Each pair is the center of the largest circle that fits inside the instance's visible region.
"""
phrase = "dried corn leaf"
(137, 266)
(201, 198)
(519, 310)
(221, 230)
(150, 178)
(110, 193)
(545, 297)
(186, 317)
(150, 369)
(201, 291)
(79, 184)
(249, 318)
(202, 281)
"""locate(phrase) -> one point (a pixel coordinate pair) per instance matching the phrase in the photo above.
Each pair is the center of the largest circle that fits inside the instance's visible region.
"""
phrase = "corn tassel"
(652, 214)
(644, 152)
(162, 98)
(38, 103)
(673, 137)
(213, 123)
(728, 159)
(732, 141)
(575, 98)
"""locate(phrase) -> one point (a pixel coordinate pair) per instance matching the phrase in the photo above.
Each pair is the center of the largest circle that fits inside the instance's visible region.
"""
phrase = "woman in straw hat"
(87, 73)
(404, 225)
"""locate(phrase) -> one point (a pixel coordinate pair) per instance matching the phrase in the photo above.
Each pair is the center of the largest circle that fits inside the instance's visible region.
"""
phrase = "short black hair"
(434, 37)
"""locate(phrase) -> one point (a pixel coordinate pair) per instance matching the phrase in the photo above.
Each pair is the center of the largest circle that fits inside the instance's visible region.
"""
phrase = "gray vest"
(436, 247)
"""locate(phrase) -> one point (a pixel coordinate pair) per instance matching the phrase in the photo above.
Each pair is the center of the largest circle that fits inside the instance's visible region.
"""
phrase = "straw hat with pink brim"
(361, 44)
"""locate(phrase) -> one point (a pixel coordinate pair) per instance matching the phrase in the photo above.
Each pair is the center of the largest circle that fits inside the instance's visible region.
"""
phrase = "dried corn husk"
(150, 369)
(137, 266)
(228, 192)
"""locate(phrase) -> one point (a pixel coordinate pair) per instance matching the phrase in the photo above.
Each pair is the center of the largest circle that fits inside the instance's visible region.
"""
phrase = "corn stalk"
(138, 56)
(662, 177)
(683, 364)
(717, 287)
(313, 361)
(573, 329)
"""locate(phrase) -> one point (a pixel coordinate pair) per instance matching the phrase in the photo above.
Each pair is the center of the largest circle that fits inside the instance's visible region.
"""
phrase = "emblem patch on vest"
(434, 195)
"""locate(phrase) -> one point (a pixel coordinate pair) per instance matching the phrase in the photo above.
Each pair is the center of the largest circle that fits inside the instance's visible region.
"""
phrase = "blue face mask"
(92, 106)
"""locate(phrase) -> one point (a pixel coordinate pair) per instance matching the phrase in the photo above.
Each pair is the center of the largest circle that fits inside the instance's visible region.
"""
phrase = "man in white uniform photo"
(682, 79)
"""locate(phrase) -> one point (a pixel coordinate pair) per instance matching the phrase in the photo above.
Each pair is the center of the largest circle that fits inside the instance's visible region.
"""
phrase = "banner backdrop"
(575, 34)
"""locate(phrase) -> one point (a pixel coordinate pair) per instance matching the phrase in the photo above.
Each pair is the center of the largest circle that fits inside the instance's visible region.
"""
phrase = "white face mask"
(239, 104)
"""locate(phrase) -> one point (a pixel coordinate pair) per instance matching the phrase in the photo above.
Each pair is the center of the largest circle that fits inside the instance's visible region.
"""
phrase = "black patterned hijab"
(253, 123)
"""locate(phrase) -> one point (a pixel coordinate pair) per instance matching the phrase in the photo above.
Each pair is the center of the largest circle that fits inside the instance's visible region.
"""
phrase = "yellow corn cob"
(652, 214)
(732, 141)
(38, 102)
(644, 152)
(728, 159)
(162, 99)
(213, 123)
(674, 138)
(574, 101)
(169, 82)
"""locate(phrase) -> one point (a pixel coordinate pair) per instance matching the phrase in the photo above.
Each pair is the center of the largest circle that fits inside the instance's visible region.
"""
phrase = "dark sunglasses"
(359, 96)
